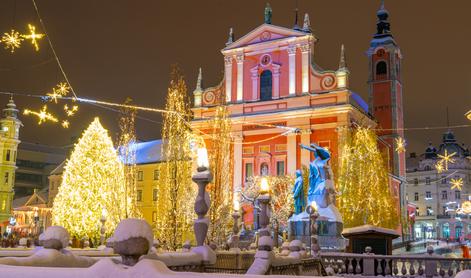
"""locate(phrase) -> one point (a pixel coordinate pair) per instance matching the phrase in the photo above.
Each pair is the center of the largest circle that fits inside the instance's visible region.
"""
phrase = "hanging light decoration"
(33, 36)
(43, 115)
(456, 183)
(447, 158)
(12, 40)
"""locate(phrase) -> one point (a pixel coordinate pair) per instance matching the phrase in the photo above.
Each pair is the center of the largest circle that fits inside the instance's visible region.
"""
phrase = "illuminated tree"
(363, 182)
(127, 154)
(92, 183)
(220, 189)
(176, 190)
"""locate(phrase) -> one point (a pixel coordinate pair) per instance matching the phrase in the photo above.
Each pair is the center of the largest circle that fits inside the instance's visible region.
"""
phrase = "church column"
(292, 69)
(305, 140)
(291, 153)
(254, 72)
(240, 76)
(237, 182)
(276, 83)
(305, 53)
(228, 74)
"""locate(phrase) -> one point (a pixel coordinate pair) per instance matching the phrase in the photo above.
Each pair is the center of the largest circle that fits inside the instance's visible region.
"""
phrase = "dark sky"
(111, 49)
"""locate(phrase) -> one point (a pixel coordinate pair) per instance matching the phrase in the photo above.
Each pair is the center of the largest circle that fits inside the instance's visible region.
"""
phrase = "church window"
(156, 174)
(7, 158)
(381, 68)
(139, 196)
(264, 169)
(7, 176)
(266, 85)
(14, 156)
(140, 176)
(154, 194)
(248, 171)
(280, 168)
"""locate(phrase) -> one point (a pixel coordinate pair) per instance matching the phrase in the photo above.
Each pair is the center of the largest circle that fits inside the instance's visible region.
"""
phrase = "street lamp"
(202, 177)
(264, 200)
(235, 228)
(468, 115)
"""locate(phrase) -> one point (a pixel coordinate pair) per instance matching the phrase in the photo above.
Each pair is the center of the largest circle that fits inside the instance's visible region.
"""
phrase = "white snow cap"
(132, 227)
(296, 242)
(56, 232)
(265, 241)
(463, 274)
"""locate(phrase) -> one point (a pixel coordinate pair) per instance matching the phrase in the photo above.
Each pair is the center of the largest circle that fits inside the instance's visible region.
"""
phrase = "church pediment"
(264, 33)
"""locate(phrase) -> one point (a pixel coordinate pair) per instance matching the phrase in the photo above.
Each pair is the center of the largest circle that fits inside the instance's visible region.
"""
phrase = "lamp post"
(264, 200)
(102, 230)
(313, 240)
(202, 177)
(235, 228)
(36, 221)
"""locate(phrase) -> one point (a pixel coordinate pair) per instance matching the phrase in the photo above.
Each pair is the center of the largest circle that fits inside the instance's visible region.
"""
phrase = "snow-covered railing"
(369, 264)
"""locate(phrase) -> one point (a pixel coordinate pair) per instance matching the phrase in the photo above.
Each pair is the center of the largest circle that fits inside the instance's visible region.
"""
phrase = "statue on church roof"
(307, 23)
(298, 193)
(268, 12)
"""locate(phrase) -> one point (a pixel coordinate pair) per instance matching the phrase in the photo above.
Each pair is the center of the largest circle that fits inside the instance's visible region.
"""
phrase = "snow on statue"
(93, 180)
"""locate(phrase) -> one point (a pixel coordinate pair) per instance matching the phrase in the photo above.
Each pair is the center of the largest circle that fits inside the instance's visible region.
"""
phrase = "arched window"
(266, 85)
(264, 169)
(381, 68)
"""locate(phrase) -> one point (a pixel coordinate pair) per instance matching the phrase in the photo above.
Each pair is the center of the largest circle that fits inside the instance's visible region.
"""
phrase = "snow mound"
(50, 258)
(56, 232)
(265, 241)
(132, 227)
(176, 258)
(463, 274)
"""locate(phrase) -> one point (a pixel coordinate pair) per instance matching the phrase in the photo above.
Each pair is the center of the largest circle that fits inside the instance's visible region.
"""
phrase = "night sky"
(113, 49)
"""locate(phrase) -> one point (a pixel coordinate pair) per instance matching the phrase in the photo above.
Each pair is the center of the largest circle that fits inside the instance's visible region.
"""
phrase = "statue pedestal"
(329, 232)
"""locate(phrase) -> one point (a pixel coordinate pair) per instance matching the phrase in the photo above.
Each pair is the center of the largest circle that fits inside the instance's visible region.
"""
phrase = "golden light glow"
(93, 180)
(33, 36)
(54, 95)
(202, 158)
(42, 115)
(62, 88)
(447, 158)
(465, 208)
(12, 40)
(400, 145)
(314, 205)
(70, 111)
(236, 205)
(439, 166)
(65, 124)
(264, 186)
(456, 183)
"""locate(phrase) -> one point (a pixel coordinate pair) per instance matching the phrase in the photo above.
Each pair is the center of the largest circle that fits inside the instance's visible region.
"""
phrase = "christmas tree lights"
(93, 180)
(363, 182)
(176, 190)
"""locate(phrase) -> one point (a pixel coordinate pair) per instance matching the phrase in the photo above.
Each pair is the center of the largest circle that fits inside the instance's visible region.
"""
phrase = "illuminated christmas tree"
(220, 188)
(92, 184)
(363, 182)
(127, 153)
(175, 188)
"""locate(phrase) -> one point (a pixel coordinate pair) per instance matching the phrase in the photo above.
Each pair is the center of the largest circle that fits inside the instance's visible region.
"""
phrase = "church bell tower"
(385, 89)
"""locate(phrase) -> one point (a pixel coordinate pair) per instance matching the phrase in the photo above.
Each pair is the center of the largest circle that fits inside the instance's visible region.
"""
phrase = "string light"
(400, 145)
(12, 40)
(70, 111)
(33, 36)
(439, 166)
(65, 124)
(447, 158)
(42, 115)
(456, 183)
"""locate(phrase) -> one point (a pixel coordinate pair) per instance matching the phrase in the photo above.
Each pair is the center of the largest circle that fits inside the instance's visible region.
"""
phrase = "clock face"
(265, 60)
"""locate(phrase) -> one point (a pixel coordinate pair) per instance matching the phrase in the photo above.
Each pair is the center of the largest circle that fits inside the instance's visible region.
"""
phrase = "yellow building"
(9, 131)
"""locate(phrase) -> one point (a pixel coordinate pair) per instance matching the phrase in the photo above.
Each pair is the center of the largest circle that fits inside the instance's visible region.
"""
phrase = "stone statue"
(298, 193)
(318, 175)
(268, 12)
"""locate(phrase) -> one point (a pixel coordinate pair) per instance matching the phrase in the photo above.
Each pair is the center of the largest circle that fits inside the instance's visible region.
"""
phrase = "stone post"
(102, 230)
(264, 201)
(430, 265)
(202, 177)
(235, 230)
(313, 215)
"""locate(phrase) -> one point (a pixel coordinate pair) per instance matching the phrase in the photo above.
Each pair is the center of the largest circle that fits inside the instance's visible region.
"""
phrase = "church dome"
(449, 144)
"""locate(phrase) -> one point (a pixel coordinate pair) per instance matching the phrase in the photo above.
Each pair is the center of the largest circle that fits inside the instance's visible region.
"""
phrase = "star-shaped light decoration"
(33, 36)
(447, 158)
(54, 95)
(12, 40)
(42, 115)
(400, 145)
(70, 111)
(439, 167)
(456, 183)
(63, 88)
(65, 124)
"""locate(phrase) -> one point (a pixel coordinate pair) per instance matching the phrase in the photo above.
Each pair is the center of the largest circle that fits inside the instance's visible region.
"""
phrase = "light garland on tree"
(93, 180)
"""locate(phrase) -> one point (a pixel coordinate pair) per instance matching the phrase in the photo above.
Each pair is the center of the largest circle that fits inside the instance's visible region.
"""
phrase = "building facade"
(9, 134)
(433, 191)
(278, 98)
